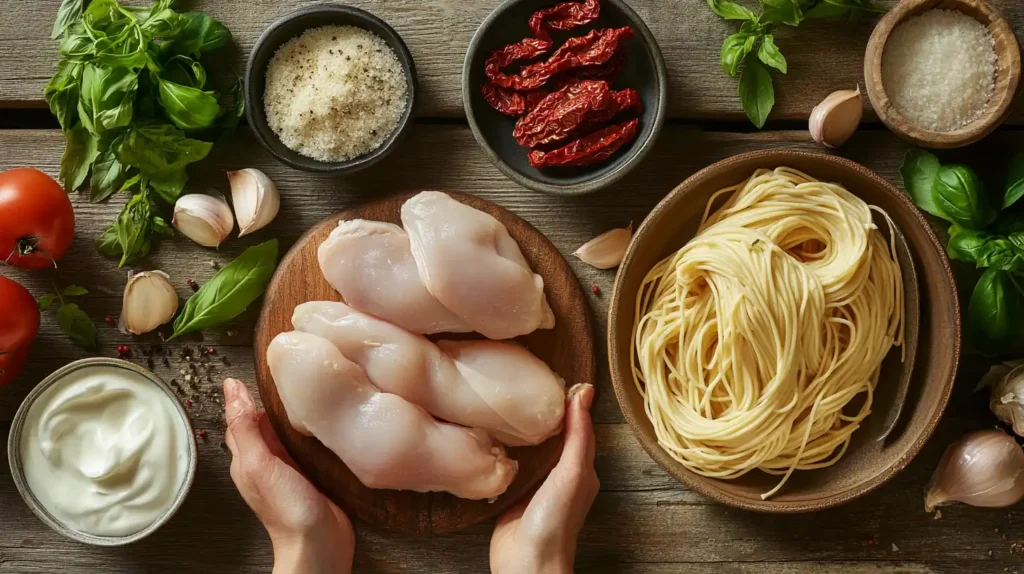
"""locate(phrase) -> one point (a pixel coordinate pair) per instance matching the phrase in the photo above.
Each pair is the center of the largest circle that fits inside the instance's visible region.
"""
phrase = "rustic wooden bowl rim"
(623, 387)
(1008, 63)
(37, 508)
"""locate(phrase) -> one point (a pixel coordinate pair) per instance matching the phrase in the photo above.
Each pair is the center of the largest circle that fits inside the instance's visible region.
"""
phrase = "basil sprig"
(131, 95)
(985, 231)
(751, 51)
(71, 319)
(230, 291)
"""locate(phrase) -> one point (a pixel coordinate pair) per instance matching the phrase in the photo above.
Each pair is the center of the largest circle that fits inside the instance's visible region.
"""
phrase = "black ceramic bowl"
(294, 25)
(644, 72)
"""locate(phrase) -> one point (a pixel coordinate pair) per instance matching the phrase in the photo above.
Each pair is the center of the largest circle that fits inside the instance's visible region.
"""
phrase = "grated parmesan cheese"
(334, 93)
(939, 69)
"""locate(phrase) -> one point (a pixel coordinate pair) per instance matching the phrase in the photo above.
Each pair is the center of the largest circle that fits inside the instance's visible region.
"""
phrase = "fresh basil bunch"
(990, 237)
(752, 51)
(132, 99)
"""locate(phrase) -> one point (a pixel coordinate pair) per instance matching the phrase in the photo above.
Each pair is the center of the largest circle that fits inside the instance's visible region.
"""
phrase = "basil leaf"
(734, 49)
(77, 45)
(165, 23)
(986, 250)
(74, 323)
(842, 10)
(107, 97)
(107, 243)
(756, 91)
(770, 55)
(959, 196)
(730, 10)
(133, 228)
(781, 12)
(185, 71)
(62, 93)
(70, 11)
(201, 35)
(1014, 181)
(46, 301)
(109, 175)
(188, 108)
(230, 291)
(918, 171)
(994, 314)
(74, 291)
(161, 152)
(79, 154)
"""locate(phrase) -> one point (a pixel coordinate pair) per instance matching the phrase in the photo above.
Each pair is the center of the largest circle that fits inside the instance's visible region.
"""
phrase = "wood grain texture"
(568, 349)
(822, 56)
(643, 522)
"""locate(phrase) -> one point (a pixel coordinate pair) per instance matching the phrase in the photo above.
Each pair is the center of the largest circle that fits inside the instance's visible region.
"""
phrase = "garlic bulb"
(149, 301)
(1007, 401)
(606, 250)
(205, 219)
(984, 468)
(834, 120)
(255, 198)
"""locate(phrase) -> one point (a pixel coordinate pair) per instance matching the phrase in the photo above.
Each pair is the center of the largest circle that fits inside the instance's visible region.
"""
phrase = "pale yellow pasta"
(751, 342)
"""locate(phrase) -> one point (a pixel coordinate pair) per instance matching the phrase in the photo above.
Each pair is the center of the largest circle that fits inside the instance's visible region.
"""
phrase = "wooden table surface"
(643, 521)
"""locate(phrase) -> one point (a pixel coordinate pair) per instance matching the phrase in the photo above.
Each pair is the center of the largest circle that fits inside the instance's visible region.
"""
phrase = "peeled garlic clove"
(255, 198)
(149, 301)
(984, 468)
(1007, 401)
(606, 250)
(205, 219)
(836, 118)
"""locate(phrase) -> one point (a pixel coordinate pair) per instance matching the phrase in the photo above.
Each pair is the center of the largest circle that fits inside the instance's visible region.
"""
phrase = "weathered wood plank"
(822, 56)
(643, 521)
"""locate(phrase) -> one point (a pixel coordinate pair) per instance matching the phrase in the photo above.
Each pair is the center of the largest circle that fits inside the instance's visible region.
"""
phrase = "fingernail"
(582, 392)
(236, 399)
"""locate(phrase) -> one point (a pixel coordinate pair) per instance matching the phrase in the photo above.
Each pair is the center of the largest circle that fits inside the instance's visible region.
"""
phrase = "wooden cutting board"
(568, 349)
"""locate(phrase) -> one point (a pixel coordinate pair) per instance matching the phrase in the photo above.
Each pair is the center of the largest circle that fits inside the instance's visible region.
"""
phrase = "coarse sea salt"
(939, 69)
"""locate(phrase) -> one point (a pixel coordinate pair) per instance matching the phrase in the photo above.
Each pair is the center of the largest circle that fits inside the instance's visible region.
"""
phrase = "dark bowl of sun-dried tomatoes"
(564, 97)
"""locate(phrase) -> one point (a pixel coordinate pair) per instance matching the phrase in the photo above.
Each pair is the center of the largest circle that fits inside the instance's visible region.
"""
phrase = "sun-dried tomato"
(510, 102)
(594, 148)
(564, 16)
(620, 102)
(608, 71)
(557, 115)
(594, 49)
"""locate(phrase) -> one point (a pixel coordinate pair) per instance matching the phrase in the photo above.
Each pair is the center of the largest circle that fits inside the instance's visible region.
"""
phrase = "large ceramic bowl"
(868, 462)
(644, 72)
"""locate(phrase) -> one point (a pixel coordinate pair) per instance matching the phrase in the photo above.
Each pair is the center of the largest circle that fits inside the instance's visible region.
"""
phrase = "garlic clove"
(205, 219)
(149, 301)
(606, 250)
(255, 198)
(837, 117)
(984, 468)
(1007, 401)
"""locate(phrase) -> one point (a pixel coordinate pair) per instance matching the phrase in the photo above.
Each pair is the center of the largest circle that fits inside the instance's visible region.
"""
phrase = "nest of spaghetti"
(757, 346)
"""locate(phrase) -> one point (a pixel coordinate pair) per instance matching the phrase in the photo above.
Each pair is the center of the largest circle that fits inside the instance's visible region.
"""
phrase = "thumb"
(578, 451)
(243, 434)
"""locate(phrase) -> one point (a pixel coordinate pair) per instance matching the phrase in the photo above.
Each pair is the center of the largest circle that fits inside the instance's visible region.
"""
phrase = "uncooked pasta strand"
(752, 342)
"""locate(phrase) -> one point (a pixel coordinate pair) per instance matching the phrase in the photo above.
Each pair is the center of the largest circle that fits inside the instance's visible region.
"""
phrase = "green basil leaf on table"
(161, 152)
(165, 23)
(1016, 239)
(185, 71)
(80, 152)
(107, 99)
(986, 250)
(1014, 181)
(109, 175)
(202, 34)
(230, 291)
(133, 228)
(994, 314)
(781, 12)
(730, 10)
(77, 45)
(918, 171)
(734, 49)
(74, 323)
(62, 93)
(843, 10)
(69, 12)
(74, 291)
(959, 195)
(188, 108)
(770, 55)
(46, 301)
(756, 91)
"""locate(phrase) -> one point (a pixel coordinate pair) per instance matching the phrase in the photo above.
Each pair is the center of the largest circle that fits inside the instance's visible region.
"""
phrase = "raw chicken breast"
(496, 386)
(385, 440)
(370, 263)
(468, 261)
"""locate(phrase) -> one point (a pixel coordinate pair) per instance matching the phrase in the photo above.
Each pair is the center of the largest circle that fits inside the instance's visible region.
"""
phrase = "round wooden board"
(568, 349)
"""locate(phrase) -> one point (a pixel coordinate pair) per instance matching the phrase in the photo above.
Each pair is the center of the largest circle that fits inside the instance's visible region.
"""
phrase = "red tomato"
(19, 324)
(37, 221)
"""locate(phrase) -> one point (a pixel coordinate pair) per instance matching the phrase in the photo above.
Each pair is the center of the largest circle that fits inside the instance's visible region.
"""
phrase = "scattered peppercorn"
(188, 403)
(193, 284)
(109, 320)
(871, 541)
(202, 433)
(596, 290)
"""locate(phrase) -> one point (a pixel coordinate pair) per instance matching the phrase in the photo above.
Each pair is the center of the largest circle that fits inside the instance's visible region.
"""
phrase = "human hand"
(538, 536)
(310, 534)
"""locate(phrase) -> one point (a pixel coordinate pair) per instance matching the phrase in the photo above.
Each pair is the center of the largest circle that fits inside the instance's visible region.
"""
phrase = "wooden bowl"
(644, 72)
(868, 463)
(1008, 69)
(568, 349)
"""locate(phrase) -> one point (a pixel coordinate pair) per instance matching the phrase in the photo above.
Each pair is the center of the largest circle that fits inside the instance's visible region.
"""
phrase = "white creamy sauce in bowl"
(105, 451)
